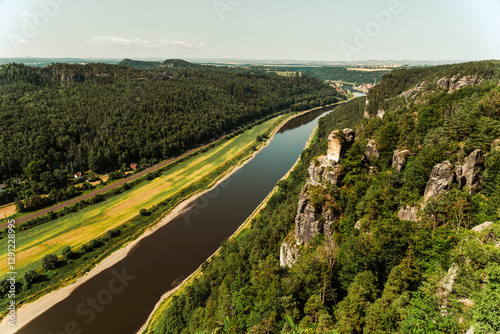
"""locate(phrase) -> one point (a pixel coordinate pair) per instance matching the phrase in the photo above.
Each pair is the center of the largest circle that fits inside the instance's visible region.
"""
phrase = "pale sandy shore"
(30, 311)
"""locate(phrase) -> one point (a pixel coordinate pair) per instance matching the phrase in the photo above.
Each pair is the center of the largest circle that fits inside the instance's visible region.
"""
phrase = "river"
(120, 299)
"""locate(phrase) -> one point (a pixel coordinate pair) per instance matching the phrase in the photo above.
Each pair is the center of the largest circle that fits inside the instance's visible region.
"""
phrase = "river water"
(120, 299)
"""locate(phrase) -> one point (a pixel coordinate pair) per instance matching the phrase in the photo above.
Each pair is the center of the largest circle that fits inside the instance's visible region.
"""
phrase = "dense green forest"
(375, 273)
(63, 119)
(339, 73)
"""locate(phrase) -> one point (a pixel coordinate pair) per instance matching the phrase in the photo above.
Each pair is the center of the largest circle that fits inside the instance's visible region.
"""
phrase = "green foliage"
(49, 261)
(30, 277)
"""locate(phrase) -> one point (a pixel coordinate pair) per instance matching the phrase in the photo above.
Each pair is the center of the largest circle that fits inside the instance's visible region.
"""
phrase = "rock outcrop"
(371, 150)
(289, 253)
(380, 113)
(457, 82)
(412, 93)
(408, 213)
(338, 143)
(484, 226)
(468, 173)
(310, 220)
(440, 180)
(322, 169)
(399, 159)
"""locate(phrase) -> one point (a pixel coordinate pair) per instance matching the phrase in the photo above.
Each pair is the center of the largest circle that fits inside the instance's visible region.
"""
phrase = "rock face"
(310, 221)
(380, 113)
(457, 82)
(322, 169)
(412, 93)
(468, 173)
(399, 159)
(289, 253)
(338, 143)
(371, 150)
(441, 177)
(408, 213)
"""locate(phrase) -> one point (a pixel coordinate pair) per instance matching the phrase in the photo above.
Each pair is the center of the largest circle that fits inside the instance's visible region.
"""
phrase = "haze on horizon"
(323, 30)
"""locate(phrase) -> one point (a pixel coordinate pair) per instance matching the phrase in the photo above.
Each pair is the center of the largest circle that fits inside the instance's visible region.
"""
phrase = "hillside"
(63, 119)
(391, 227)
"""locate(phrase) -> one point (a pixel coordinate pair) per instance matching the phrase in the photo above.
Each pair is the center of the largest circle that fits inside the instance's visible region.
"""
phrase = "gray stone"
(338, 143)
(413, 92)
(439, 181)
(408, 213)
(468, 173)
(289, 253)
(323, 169)
(399, 159)
(483, 226)
(371, 150)
(452, 84)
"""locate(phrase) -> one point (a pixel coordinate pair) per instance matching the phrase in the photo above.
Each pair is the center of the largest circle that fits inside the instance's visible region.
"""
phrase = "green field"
(92, 222)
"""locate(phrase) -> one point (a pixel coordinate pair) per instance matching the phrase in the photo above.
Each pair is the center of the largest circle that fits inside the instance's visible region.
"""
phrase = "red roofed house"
(133, 166)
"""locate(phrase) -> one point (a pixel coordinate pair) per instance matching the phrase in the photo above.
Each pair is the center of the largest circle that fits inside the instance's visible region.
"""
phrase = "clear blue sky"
(256, 29)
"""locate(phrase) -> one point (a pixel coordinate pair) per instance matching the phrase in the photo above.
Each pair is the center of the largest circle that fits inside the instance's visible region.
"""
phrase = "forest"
(375, 272)
(67, 118)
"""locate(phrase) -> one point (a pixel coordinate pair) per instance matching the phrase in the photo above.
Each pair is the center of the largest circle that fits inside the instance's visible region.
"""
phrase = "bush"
(49, 261)
(30, 277)
(67, 253)
(112, 233)
(143, 212)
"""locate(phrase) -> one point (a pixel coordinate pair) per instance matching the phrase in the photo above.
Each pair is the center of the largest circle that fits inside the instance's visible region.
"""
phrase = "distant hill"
(170, 64)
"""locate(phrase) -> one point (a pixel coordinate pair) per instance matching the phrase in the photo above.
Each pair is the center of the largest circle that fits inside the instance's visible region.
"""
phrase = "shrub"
(143, 212)
(30, 277)
(49, 261)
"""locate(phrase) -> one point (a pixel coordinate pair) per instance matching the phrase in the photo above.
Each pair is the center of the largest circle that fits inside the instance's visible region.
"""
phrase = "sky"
(322, 30)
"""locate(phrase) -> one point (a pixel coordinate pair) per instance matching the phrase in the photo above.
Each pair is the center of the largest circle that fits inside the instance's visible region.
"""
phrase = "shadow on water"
(120, 299)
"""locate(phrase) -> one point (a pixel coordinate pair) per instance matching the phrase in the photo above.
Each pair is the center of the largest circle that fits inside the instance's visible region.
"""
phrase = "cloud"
(137, 42)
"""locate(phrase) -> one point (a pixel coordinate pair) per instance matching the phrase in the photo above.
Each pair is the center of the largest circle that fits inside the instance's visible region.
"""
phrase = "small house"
(133, 166)
(78, 176)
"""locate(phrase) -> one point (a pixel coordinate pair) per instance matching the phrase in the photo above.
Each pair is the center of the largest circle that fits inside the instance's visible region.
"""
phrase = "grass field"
(78, 228)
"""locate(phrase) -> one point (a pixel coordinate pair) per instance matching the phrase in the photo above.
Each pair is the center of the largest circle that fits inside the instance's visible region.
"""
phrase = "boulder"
(439, 181)
(468, 173)
(483, 226)
(371, 150)
(399, 159)
(408, 213)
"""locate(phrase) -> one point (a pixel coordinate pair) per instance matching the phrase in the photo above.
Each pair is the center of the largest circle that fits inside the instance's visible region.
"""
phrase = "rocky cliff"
(312, 219)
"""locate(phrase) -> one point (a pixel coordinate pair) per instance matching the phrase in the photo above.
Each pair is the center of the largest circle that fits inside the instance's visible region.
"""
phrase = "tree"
(49, 261)
(30, 277)
(352, 309)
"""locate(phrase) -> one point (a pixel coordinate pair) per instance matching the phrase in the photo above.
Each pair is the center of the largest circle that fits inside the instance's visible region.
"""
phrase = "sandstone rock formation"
(338, 143)
(413, 92)
(371, 150)
(289, 253)
(408, 213)
(468, 173)
(440, 179)
(309, 220)
(380, 113)
(399, 159)
(457, 82)
(322, 169)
